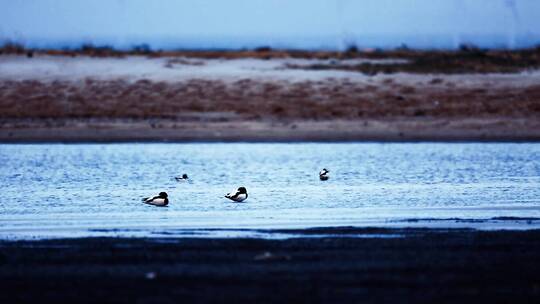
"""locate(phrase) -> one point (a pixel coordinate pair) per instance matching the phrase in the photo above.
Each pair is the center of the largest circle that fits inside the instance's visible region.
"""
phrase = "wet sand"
(275, 98)
(326, 131)
(427, 266)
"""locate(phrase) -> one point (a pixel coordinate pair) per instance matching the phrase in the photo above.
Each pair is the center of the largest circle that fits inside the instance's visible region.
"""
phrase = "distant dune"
(106, 95)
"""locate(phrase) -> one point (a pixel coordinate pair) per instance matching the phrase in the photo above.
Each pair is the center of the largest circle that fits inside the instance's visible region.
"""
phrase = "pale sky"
(281, 23)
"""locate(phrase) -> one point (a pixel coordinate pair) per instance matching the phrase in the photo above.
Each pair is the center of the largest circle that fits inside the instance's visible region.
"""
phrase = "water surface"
(57, 190)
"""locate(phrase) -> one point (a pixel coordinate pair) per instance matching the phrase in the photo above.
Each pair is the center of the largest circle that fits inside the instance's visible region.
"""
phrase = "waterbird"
(323, 175)
(239, 195)
(161, 200)
(184, 177)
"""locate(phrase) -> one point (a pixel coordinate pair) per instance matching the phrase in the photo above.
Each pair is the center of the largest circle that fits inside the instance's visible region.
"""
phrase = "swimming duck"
(239, 195)
(161, 200)
(184, 177)
(323, 175)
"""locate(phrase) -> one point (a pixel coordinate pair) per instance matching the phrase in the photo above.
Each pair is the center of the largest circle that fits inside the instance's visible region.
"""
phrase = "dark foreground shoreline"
(424, 265)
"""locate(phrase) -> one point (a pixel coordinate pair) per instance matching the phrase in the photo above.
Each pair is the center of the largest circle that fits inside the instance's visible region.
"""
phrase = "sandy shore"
(443, 266)
(137, 98)
(253, 131)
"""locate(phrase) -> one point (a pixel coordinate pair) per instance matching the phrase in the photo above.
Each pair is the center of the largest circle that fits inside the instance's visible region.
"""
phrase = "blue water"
(58, 190)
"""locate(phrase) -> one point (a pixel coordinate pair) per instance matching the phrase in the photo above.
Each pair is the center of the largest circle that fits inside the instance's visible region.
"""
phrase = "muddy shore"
(426, 266)
(280, 98)
(403, 130)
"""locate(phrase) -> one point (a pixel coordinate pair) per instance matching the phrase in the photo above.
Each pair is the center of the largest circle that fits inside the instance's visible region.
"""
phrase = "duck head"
(242, 190)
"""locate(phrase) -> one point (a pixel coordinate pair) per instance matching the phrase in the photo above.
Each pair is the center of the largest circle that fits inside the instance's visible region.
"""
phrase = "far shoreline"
(281, 98)
(404, 130)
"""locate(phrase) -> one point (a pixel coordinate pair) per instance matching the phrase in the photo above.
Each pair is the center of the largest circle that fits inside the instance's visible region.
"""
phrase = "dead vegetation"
(249, 99)
(465, 61)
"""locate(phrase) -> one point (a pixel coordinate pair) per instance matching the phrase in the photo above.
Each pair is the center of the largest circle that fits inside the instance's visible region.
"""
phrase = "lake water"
(71, 190)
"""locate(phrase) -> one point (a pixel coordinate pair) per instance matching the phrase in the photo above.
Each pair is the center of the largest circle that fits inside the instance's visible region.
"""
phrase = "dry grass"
(256, 99)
